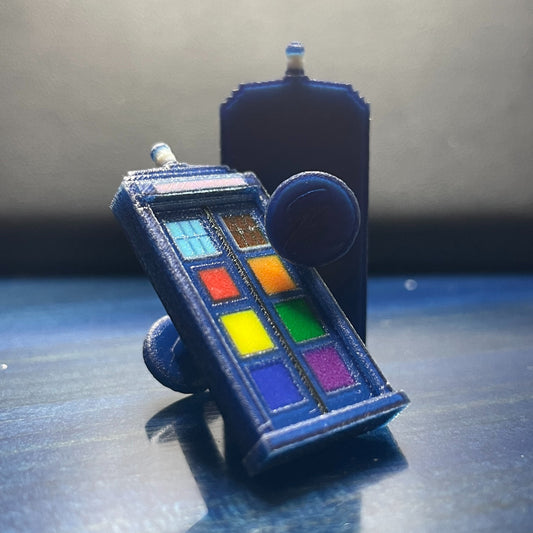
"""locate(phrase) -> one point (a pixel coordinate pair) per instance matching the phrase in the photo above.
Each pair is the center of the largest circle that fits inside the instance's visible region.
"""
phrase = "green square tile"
(299, 320)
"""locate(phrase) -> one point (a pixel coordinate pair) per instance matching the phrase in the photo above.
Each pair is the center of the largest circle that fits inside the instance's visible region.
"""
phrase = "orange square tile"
(271, 274)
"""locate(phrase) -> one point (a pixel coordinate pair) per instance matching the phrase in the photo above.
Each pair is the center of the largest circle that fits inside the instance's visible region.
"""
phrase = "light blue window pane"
(184, 246)
(183, 227)
(197, 228)
(197, 246)
(174, 228)
(190, 230)
(191, 238)
(208, 245)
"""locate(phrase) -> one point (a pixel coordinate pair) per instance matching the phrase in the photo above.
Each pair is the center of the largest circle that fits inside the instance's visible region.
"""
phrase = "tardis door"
(285, 349)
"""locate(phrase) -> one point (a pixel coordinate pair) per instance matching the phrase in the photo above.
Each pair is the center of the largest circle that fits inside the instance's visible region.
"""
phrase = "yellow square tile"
(247, 333)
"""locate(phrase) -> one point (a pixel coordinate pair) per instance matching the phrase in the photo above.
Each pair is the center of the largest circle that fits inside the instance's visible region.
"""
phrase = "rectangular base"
(274, 447)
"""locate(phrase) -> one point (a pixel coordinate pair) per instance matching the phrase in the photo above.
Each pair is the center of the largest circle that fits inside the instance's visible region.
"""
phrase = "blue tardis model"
(279, 128)
(284, 365)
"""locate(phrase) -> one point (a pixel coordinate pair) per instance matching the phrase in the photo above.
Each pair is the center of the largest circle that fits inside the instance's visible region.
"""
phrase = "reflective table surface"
(89, 441)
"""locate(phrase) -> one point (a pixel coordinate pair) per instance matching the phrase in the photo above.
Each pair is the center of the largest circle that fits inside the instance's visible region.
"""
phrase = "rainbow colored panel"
(271, 274)
(245, 230)
(299, 320)
(329, 368)
(276, 385)
(191, 238)
(219, 283)
(247, 332)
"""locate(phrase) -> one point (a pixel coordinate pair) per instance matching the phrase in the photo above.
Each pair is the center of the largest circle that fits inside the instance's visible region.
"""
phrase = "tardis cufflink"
(284, 365)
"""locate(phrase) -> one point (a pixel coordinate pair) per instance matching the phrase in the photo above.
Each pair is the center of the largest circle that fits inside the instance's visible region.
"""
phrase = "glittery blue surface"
(89, 441)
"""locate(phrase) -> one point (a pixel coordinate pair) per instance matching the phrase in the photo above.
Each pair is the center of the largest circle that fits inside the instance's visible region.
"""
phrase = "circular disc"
(313, 218)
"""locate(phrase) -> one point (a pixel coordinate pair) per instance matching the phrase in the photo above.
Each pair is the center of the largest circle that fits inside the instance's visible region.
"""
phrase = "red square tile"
(218, 283)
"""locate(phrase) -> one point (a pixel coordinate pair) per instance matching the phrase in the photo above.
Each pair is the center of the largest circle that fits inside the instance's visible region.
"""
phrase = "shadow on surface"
(323, 488)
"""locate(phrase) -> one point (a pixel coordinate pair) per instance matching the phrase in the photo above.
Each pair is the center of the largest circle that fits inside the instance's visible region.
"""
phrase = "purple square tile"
(329, 368)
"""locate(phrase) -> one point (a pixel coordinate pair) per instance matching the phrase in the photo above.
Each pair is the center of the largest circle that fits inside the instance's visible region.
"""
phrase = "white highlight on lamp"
(161, 154)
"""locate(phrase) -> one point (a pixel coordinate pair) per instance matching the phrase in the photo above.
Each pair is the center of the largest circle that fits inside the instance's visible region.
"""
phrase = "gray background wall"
(87, 87)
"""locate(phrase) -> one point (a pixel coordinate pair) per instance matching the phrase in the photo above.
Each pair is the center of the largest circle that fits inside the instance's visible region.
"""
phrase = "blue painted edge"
(275, 446)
